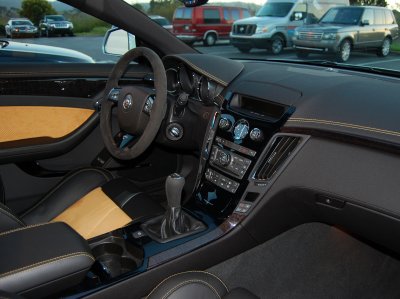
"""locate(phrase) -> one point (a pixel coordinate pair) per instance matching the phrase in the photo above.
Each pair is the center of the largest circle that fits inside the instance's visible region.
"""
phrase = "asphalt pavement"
(92, 46)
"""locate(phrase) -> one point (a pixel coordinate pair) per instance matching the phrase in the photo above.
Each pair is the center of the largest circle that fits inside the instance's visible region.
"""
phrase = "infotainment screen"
(257, 107)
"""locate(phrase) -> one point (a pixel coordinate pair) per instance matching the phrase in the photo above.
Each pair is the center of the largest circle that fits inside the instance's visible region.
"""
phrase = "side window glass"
(211, 16)
(368, 16)
(379, 17)
(187, 14)
(389, 17)
(179, 13)
(227, 16)
(235, 14)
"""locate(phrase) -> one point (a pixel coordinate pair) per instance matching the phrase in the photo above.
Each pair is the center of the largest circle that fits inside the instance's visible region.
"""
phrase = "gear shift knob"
(173, 188)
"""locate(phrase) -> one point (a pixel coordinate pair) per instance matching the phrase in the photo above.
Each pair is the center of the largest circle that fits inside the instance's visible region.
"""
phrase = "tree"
(369, 2)
(138, 6)
(36, 9)
(164, 8)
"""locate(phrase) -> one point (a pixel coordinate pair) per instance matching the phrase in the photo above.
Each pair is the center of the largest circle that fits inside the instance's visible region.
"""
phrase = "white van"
(273, 26)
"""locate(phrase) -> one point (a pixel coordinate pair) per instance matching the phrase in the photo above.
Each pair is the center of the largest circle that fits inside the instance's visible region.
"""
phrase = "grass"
(96, 31)
(396, 46)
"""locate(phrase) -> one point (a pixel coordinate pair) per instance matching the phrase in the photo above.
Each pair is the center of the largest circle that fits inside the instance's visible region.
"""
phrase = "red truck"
(206, 23)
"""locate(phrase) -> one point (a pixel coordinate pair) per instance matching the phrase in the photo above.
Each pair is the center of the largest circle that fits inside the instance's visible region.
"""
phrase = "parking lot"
(92, 46)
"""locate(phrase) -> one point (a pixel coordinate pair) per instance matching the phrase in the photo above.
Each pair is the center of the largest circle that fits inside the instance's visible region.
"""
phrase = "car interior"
(176, 174)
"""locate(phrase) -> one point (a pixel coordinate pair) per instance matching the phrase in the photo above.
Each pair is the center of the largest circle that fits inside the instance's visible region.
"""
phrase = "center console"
(239, 139)
(235, 142)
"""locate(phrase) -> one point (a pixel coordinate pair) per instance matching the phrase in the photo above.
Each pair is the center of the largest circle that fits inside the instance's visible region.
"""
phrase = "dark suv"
(54, 25)
(344, 29)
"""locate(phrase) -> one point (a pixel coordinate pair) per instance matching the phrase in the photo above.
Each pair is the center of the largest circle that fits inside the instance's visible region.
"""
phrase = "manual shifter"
(175, 223)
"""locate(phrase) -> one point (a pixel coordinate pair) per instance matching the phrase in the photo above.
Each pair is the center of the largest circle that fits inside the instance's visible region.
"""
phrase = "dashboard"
(281, 126)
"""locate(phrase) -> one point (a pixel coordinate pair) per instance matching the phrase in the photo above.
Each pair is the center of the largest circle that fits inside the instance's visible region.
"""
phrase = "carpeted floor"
(313, 261)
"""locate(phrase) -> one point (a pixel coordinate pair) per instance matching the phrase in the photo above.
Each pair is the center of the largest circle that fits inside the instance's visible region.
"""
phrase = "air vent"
(280, 150)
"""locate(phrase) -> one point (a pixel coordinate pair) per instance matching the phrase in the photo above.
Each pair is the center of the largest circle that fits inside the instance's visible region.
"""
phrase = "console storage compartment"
(41, 260)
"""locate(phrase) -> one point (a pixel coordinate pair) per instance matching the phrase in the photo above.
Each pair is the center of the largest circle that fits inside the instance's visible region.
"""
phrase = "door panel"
(49, 125)
(27, 122)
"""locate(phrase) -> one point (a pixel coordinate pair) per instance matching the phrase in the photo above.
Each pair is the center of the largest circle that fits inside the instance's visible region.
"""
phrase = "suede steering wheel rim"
(158, 108)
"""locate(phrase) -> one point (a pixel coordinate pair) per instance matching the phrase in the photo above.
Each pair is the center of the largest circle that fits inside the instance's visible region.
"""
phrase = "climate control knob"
(224, 158)
(225, 124)
(256, 135)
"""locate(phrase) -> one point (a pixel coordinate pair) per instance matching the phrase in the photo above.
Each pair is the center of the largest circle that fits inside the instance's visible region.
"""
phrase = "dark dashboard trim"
(341, 124)
(380, 145)
(218, 69)
(69, 70)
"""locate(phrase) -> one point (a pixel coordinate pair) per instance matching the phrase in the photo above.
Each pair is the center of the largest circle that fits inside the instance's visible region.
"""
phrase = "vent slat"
(280, 150)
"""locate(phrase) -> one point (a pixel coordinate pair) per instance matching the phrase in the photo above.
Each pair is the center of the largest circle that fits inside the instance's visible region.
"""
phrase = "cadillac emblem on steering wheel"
(127, 102)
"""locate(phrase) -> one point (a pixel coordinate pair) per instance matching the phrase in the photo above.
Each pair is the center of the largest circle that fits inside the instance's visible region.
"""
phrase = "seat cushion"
(94, 214)
(72, 188)
(91, 201)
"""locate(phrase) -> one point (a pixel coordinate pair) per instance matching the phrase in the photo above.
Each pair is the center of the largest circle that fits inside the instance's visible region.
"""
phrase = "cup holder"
(115, 256)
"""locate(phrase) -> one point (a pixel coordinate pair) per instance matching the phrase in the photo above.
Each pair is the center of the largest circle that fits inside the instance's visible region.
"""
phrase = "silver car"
(20, 27)
(344, 29)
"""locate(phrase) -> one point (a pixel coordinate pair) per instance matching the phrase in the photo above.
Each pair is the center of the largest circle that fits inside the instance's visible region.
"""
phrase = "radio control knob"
(225, 124)
(256, 135)
(224, 158)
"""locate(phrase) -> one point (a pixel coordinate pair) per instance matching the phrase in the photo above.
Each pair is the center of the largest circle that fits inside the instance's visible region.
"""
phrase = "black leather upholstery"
(40, 260)
(240, 293)
(8, 220)
(75, 186)
(72, 188)
(196, 285)
(131, 199)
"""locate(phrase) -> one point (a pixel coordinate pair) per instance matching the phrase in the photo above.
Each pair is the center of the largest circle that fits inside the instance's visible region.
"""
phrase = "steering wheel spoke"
(113, 95)
(148, 105)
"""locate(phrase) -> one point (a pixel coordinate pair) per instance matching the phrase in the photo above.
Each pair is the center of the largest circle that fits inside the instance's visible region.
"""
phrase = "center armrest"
(43, 259)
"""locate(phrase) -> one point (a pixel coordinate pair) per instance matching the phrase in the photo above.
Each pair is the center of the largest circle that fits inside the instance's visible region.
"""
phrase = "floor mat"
(313, 261)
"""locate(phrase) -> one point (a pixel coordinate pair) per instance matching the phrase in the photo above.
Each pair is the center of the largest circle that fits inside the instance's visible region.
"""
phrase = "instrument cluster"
(181, 79)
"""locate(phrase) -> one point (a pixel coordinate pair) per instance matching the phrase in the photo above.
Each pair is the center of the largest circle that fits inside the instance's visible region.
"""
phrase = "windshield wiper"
(3, 44)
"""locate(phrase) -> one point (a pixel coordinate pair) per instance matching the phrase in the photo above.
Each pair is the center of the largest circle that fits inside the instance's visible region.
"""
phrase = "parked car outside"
(20, 27)
(162, 22)
(15, 52)
(273, 26)
(206, 23)
(344, 29)
(55, 25)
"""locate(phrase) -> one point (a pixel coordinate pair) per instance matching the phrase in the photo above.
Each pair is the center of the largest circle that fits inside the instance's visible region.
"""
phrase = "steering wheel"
(140, 110)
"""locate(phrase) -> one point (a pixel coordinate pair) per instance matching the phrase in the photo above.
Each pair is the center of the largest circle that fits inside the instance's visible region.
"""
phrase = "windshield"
(308, 31)
(275, 10)
(19, 23)
(55, 18)
(347, 16)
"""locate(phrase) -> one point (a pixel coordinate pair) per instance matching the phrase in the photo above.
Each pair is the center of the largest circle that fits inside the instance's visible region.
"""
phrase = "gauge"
(241, 129)
(186, 80)
(207, 90)
(172, 81)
